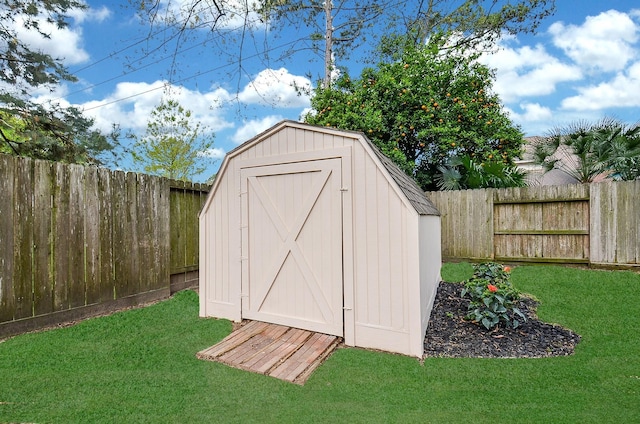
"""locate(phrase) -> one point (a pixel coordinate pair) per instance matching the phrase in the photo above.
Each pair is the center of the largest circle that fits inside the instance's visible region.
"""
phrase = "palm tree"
(463, 172)
(586, 150)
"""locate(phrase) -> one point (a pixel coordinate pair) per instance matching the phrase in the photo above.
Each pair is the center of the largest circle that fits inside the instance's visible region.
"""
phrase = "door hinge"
(347, 308)
(344, 189)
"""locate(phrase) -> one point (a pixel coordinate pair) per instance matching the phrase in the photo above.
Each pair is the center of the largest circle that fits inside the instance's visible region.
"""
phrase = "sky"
(582, 64)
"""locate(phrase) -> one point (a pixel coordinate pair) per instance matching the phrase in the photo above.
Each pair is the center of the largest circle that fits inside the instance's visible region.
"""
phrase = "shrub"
(492, 297)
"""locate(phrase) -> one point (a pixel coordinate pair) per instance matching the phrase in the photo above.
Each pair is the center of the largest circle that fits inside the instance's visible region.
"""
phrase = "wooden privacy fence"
(185, 201)
(77, 241)
(595, 223)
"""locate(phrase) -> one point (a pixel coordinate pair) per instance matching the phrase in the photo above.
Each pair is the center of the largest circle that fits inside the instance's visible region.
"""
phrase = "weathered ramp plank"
(282, 352)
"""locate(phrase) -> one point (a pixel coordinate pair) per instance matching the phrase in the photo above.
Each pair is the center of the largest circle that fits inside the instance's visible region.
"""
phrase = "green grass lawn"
(140, 366)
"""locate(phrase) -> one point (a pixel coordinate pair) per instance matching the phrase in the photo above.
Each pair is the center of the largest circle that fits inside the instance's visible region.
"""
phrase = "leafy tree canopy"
(62, 135)
(422, 110)
(31, 129)
(478, 23)
(174, 144)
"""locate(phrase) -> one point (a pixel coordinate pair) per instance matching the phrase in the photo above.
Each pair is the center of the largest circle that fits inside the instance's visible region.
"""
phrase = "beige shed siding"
(430, 261)
(390, 273)
(293, 140)
(380, 222)
(388, 298)
(218, 261)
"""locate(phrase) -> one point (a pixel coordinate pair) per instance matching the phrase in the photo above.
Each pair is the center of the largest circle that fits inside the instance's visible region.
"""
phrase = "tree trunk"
(328, 46)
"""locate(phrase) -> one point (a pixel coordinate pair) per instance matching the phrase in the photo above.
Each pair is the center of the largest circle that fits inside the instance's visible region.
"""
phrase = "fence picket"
(92, 236)
(60, 218)
(76, 283)
(105, 237)
(131, 280)
(7, 190)
(42, 239)
(23, 240)
(119, 204)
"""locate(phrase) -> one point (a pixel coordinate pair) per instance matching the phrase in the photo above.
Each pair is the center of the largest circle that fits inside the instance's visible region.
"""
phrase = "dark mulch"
(449, 335)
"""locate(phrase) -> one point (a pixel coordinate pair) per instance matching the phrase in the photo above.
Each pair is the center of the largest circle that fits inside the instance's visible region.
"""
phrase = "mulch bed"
(450, 335)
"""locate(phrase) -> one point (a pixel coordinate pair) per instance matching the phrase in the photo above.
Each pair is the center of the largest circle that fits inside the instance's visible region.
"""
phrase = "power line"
(173, 55)
(198, 74)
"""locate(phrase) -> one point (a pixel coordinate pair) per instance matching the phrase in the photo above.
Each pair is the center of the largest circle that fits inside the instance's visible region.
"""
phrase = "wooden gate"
(292, 245)
(549, 230)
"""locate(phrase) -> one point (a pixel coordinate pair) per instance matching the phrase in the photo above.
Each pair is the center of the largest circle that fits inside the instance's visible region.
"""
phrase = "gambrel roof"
(413, 193)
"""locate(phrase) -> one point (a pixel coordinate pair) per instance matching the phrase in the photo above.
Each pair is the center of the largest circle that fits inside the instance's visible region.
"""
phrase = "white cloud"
(621, 91)
(602, 42)
(528, 71)
(63, 44)
(254, 127)
(277, 87)
(536, 119)
(233, 14)
(90, 15)
(131, 103)
(215, 153)
(532, 112)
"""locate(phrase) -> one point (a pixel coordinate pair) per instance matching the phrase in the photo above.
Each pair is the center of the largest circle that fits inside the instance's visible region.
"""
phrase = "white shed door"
(292, 245)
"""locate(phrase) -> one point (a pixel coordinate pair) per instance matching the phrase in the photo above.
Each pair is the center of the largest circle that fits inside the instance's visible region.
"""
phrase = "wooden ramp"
(282, 352)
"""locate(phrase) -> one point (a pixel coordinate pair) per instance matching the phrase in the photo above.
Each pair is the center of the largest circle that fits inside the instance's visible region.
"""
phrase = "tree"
(586, 150)
(61, 135)
(478, 23)
(20, 66)
(30, 129)
(422, 110)
(341, 25)
(173, 146)
(335, 28)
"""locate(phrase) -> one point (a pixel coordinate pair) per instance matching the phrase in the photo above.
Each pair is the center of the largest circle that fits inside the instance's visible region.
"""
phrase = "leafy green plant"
(462, 172)
(492, 297)
(421, 109)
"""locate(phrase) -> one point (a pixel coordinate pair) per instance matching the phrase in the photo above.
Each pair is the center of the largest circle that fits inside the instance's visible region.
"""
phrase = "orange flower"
(492, 288)
(507, 269)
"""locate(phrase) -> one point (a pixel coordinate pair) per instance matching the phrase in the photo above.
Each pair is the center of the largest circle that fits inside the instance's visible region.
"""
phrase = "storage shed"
(314, 228)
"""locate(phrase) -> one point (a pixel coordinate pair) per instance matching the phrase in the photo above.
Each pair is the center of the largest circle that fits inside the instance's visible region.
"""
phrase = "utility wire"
(111, 55)
(198, 74)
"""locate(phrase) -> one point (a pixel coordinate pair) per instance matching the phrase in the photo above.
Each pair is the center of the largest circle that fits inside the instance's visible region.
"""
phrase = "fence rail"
(583, 223)
(76, 241)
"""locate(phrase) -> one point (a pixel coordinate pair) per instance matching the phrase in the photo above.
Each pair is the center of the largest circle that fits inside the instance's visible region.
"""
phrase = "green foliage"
(21, 67)
(492, 297)
(586, 150)
(174, 145)
(462, 173)
(27, 128)
(62, 135)
(479, 23)
(422, 110)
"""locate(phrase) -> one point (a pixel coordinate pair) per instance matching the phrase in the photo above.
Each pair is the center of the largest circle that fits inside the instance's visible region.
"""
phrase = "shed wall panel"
(219, 260)
(381, 251)
(430, 261)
